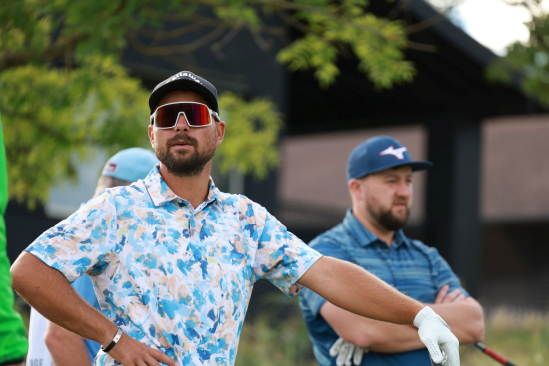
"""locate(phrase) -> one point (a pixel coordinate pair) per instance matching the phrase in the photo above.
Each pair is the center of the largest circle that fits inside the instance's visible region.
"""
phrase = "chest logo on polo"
(398, 153)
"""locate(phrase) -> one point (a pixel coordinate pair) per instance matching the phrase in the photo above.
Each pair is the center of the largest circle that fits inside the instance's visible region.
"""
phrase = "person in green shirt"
(13, 344)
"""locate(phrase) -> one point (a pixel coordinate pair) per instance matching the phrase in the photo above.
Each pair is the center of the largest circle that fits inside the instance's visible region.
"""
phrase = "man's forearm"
(352, 288)
(49, 292)
(465, 318)
(372, 334)
(66, 348)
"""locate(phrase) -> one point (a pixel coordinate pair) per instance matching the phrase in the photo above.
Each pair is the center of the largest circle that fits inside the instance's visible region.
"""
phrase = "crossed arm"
(464, 316)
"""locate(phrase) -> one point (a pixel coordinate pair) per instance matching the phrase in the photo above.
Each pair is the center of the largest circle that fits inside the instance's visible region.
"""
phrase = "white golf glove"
(347, 353)
(442, 345)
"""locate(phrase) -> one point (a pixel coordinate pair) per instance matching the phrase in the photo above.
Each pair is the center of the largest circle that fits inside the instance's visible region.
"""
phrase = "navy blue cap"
(185, 80)
(380, 153)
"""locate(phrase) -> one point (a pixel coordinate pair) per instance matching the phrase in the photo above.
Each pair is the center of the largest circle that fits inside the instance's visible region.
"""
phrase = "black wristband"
(113, 342)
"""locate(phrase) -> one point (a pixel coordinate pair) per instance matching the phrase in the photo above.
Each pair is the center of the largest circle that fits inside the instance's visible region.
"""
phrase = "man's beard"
(386, 218)
(184, 166)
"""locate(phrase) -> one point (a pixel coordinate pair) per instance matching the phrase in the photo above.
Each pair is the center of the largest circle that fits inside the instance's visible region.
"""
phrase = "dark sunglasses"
(196, 114)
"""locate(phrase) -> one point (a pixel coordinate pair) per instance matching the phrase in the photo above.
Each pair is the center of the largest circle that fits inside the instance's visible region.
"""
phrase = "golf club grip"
(494, 355)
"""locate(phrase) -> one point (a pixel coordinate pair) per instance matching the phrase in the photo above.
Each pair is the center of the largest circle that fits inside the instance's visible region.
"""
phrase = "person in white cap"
(50, 344)
(174, 259)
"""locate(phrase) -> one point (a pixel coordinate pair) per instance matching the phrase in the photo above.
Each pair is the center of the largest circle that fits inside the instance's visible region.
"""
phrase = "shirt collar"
(162, 194)
(400, 238)
(364, 236)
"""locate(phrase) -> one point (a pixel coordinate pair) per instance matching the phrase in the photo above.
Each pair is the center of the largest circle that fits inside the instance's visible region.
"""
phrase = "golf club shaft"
(494, 355)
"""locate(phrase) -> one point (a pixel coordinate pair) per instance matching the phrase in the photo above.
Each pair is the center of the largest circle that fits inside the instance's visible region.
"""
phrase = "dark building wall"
(23, 227)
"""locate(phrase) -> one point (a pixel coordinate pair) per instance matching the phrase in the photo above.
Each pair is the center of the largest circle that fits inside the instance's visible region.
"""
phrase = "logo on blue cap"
(130, 164)
(398, 153)
(380, 153)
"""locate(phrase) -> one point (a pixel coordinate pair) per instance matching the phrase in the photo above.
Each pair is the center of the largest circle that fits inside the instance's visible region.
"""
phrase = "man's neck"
(193, 189)
(382, 234)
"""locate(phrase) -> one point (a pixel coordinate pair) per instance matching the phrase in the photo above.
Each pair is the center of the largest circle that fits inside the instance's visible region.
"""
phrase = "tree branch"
(168, 50)
(163, 35)
(216, 47)
(260, 41)
(292, 21)
(21, 58)
(427, 23)
(421, 46)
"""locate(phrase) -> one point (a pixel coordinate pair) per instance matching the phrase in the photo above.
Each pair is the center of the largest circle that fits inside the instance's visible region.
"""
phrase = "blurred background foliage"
(527, 64)
(65, 93)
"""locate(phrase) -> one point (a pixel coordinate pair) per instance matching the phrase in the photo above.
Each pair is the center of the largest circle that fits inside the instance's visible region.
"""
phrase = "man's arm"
(49, 292)
(350, 287)
(463, 315)
(374, 335)
(355, 289)
(466, 318)
(66, 348)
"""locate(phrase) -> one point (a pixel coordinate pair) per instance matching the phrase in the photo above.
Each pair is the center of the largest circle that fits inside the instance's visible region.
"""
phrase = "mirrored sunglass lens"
(166, 116)
(197, 115)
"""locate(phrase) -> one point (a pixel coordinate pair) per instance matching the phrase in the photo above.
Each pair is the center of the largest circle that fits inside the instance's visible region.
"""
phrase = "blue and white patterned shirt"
(408, 265)
(175, 278)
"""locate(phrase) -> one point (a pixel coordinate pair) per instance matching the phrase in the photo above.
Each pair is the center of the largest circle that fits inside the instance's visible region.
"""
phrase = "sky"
(491, 22)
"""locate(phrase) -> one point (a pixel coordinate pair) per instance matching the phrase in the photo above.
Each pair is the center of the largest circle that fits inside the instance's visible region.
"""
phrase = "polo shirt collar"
(364, 236)
(161, 193)
(400, 238)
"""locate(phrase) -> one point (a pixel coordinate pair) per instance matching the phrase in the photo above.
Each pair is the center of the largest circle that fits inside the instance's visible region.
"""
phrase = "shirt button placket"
(191, 224)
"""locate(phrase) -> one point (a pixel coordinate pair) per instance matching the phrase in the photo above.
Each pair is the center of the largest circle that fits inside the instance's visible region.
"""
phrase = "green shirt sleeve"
(13, 344)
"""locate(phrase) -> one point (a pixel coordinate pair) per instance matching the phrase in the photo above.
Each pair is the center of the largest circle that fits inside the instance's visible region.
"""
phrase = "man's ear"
(151, 136)
(356, 189)
(219, 132)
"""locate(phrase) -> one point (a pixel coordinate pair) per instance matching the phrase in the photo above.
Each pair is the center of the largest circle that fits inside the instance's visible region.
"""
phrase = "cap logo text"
(180, 75)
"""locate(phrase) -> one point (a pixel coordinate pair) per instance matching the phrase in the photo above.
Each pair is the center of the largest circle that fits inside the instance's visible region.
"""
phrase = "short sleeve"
(83, 242)
(328, 248)
(443, 274)
(281, 257)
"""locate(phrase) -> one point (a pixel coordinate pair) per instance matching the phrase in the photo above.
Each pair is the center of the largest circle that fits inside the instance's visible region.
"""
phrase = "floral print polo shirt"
(175, 278)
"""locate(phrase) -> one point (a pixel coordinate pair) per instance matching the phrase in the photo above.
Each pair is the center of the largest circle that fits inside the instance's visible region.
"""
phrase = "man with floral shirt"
(174, 260)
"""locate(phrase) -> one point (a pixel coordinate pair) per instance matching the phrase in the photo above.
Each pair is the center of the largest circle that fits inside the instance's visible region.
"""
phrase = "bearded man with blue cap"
(379, 178)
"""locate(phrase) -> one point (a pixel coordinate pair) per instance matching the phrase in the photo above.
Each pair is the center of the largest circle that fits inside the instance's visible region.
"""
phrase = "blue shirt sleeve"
(84, 286)
(442, 273)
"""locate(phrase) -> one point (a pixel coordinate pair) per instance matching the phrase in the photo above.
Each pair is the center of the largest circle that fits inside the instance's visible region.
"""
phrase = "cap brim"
(182, 84)
(416, 166)
(420, 165)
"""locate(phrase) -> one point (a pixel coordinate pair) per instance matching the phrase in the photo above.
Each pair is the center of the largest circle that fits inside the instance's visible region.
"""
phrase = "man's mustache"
(182, 138)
